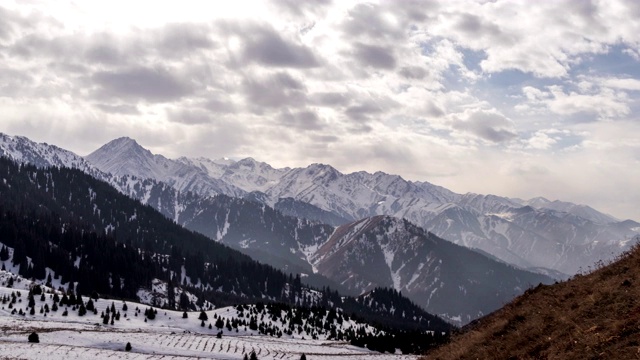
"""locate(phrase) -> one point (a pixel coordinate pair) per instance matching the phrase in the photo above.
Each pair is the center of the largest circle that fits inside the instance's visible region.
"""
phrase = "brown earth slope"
(594, 316)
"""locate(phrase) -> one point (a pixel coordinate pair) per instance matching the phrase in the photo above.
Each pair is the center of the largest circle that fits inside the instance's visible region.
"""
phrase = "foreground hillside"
(590, 316)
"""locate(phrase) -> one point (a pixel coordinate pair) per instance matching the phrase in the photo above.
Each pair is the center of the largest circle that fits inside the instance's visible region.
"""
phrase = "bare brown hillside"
(594, 316)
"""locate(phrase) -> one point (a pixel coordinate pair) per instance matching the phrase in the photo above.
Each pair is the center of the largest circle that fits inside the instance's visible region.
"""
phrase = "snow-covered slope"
(65, 334)
(124, 156)
(23, 150)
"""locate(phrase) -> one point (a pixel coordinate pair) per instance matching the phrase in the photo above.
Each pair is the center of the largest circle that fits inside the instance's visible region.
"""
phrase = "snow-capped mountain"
(22, 150)
(400, 257)
(530, 234)
(537, 233)
(124, 156)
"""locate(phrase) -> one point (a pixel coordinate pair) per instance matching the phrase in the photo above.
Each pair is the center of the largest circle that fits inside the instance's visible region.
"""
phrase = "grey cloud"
(123, 109)
(365, 20)
(434, 110)
(6, 26)
(302, 120)
(374, 56)
(140, 83)
(14, 82)
(299, 8)
(189, 116)
(184, 38)
(417, 10)
(359, 129)
(474, 26)
(363, 111)
(35, 46)
(12, 23)
(279, 89)
(263, 45)
(413, 72)
(324, 138)
(490, 126)
(103, 50)
(330, 99)
(217, 105)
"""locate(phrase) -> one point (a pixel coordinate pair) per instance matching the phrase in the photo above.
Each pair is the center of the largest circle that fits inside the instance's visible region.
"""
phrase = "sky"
(513, 98)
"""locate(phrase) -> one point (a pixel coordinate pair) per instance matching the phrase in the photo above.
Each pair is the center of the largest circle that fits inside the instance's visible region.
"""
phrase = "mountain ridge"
(490, 223)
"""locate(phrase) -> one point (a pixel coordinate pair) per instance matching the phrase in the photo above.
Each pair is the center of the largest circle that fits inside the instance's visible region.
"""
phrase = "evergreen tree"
(203, 316)
(82, 310)
(4, 254)
(33, 338)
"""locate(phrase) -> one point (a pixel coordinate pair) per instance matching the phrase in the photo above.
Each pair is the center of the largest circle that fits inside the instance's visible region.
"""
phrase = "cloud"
(488, 125)
(301, 8)
(123, 109)
(141, 83)
(301, 120)
(374, 56)
(330, 99)
(189, 116)
(372, 22)
(541, 141)
(363, 111)
(180, 38)
(622, 83)
(274, 90)
(261, 44)
(413, 72)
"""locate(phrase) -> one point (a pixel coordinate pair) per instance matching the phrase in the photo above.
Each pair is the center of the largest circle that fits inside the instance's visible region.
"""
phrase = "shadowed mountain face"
(445, 278)
(589, 316)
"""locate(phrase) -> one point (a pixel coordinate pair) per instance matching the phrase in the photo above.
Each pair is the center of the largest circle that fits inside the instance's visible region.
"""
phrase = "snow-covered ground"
(168, 336)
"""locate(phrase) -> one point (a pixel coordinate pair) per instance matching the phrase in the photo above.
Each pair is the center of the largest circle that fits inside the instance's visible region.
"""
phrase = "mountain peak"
(122, 143)
(124, 156)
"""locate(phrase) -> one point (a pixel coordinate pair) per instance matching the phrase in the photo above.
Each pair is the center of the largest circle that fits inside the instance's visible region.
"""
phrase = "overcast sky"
(514, 98)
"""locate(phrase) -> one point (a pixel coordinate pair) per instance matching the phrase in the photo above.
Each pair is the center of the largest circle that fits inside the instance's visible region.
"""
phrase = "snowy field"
(168, 336)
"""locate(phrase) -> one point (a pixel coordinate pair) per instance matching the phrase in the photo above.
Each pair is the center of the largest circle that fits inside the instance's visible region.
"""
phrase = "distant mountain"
(537, 234)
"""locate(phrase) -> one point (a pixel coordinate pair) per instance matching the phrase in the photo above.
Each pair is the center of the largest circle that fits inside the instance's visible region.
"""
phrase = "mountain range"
(531, 234)
(359, 231)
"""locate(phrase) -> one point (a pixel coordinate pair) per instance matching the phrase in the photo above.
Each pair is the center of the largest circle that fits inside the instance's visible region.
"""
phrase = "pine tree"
(82, 310)
(203, 316)
(90, 306)
(34, 338)
(127, 347)
(4, 254)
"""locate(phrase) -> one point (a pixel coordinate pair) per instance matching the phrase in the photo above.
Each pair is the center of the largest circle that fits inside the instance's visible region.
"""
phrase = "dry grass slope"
(594, 316)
